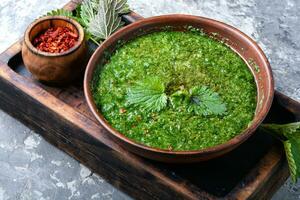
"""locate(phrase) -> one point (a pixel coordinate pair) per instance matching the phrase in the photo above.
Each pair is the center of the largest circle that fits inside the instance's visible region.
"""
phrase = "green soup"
(179, 61)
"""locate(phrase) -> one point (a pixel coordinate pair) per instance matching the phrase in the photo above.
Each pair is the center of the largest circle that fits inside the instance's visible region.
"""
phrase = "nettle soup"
(176, 91)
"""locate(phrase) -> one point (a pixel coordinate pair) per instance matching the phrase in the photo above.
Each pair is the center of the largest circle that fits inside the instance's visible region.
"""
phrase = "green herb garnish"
(150, 95)
(205, 102)
(289, 134)
(99, 18)
(60, 12)
(103, 18)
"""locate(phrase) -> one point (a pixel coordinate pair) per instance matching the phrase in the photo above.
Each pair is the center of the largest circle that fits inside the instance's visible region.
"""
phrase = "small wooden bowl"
(235, 39)
(54, 68)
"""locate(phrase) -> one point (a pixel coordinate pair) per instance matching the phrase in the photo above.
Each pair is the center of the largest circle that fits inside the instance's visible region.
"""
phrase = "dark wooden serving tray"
(255, 170)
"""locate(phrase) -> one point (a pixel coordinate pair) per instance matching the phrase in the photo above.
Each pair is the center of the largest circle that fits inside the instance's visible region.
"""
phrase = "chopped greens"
(176, 90)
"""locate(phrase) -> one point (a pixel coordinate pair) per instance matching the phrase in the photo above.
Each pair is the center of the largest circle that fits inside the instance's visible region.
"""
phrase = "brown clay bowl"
(238, 41)
(54, 68)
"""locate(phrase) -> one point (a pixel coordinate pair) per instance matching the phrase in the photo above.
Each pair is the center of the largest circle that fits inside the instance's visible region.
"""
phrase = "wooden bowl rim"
(64, 18)
(235, 141)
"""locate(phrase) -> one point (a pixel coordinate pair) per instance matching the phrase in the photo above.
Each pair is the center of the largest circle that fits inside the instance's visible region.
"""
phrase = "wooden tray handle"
(131, 17)
(13, 50)
(290, 104)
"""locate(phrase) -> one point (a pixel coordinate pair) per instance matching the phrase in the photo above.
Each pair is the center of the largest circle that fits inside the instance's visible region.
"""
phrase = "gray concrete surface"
(30, 168)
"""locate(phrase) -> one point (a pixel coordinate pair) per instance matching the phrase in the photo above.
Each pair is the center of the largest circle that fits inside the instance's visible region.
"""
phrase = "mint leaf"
(148, 94)
(204, 101)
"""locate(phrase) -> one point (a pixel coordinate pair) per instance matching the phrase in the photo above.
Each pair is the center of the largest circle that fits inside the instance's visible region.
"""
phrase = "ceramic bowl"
(238, 41)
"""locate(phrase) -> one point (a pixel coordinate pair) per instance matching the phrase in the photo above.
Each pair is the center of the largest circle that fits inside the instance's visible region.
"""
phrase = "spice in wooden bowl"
(54, 50)
(56, 40)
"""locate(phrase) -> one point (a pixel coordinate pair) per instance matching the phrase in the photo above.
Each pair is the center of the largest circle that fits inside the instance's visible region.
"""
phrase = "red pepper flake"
(56, 40)
(122, 110)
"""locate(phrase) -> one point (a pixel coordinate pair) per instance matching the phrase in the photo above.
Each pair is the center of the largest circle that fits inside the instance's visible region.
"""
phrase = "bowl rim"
(235, 141)
(55, 17)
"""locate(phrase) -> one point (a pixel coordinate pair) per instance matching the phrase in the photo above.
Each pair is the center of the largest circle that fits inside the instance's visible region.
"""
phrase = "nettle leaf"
(148, 94)
(289, 134)
(60, 12)
(291, 162)
(180, 99)
(88, 10)
(284, 131)
(204, 101)
(77, 16)
(106, 21)
(292, 151)
(99, 18)
(122, 7)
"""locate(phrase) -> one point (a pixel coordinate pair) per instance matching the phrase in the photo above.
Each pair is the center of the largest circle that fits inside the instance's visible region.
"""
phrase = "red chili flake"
(122, 110)
(56, 40)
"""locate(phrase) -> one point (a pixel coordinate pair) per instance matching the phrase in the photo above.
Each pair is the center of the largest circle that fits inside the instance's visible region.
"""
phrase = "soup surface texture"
(176, 91)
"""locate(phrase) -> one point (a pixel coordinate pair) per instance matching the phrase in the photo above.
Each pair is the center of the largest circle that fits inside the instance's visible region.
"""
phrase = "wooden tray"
(255, 170)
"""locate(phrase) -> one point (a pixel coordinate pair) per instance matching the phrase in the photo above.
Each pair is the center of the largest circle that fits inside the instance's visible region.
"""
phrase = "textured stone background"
(30, 168)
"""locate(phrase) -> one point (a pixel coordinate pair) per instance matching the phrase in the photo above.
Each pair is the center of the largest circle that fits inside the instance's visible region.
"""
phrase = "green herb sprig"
(150, 95)
(99, 18)
(204, 101)
(289, 134)
(60, 12)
